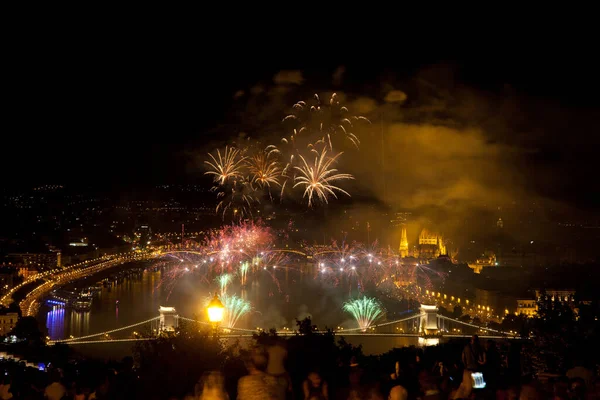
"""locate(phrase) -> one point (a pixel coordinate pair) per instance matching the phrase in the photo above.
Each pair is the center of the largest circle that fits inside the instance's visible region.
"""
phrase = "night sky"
(519, 119)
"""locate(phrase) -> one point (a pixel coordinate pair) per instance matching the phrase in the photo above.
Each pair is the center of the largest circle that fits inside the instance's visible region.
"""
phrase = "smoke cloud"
(395, 96)
(294, 77)
(455, 156)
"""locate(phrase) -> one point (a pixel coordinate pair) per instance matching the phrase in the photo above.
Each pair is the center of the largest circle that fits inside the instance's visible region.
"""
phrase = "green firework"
(244, 272)
(365, 310)
(224, 280)
(235, 308)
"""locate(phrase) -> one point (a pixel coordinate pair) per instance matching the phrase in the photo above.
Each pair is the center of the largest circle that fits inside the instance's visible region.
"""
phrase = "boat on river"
(77, 300)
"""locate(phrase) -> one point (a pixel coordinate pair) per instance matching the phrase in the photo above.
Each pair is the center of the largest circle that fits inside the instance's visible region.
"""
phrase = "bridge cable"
(208, 323)
(384, 323)
(107, 332)
(472, 325)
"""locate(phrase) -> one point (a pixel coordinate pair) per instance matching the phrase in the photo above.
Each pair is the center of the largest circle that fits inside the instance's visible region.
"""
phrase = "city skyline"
(179, 202)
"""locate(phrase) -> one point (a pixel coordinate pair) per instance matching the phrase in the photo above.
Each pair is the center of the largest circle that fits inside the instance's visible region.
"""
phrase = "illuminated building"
(431, 245)
(559, 295)
(427, 237)
(527, 307)
(143, 234)
(442, 247)
(548, 299)
(488, 259)
(27, 271)
(8, 322)
(40, 260)
(403, 244)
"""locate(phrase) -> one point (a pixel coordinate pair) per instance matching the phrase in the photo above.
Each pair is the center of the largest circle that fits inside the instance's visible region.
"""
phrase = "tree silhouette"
(173, 363)
(305, 326)
(28, 329)
(516, 323)
(457, 312)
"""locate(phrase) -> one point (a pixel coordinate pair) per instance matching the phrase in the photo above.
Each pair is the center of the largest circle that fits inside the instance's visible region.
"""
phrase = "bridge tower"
(428, 326)
(168, 319)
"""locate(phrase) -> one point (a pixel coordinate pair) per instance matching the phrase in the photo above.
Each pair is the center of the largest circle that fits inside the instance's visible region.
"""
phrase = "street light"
(215, 310)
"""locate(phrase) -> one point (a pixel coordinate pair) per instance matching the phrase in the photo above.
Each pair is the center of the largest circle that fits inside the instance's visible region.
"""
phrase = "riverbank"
(30, 304)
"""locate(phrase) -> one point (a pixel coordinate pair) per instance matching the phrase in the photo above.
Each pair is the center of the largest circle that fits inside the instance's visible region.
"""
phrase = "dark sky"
(142, 109)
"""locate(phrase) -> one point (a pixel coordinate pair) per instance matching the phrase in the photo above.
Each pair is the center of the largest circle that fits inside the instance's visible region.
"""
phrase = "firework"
(227, 166)
(312, 126)
(235, 242)
(224, 281)
(244, 272)
(264, 169)
(234, 189)
(317, 179)
(326, 119)
(237, 199)
(235, 308)
(247, 250)
(246, 172)
(365, 310)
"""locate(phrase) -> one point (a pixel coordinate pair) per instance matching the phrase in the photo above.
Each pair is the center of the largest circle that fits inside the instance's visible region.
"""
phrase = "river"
(277, 298)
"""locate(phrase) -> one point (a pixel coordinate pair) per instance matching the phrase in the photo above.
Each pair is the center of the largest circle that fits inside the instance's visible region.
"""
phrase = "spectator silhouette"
(55, 390)
(472, 354)
(314, 387)
(257, 385)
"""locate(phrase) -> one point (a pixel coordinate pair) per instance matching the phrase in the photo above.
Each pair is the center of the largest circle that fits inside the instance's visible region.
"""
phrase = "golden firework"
(226, 166)
(317, 178)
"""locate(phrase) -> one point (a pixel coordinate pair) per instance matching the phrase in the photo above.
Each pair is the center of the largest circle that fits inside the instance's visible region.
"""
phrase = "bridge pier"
(428, 326)
(169, 319)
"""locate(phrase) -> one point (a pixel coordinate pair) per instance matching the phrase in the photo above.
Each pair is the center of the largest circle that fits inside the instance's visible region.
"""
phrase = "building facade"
(430, 246)
(8, 322)
(560, 295)
(26, 271)
(527, 307)
(39, 260)
(488, 259)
